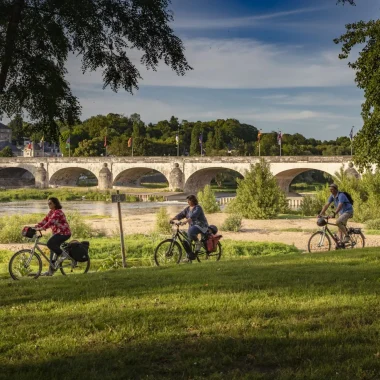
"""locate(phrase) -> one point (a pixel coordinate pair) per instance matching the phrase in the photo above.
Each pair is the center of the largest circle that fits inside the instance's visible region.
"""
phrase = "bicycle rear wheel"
(25, 265)
(210, 256)
(319, 242)
(70, 266)
(356, 241)
(167, 253)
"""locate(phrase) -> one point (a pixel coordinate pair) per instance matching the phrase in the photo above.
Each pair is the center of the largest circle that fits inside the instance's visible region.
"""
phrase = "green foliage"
(10, 227)
(232, 223)
(162, 221)
(373, 224)
(207, 200)
(258, 195)
(310, 206)
(6, 152)
(367, 70)
(35, 46)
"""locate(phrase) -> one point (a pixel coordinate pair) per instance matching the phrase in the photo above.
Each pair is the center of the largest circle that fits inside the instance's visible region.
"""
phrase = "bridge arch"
(202, 177)
(73, 176)
(286, 177)
(17, 177)
(132, 176)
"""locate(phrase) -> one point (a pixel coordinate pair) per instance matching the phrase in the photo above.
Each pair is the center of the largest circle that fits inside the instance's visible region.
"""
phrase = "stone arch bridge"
(188, 174)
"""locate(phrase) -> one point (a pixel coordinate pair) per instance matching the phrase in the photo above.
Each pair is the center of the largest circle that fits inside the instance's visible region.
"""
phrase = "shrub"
(373, 224)
(310, 206)
(162, 221)
(208, 200)
(258, 195)
(232, 223)
(79, 228)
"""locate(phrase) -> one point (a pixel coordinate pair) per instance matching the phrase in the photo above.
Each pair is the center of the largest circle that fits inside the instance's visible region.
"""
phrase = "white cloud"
(240, 64)
(238, 22)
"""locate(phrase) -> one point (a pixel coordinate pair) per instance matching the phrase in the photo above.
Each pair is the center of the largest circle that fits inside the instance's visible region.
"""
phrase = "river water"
(91, 208)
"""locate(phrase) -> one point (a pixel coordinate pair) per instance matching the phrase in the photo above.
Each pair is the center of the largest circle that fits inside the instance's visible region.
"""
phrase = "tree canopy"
(365, 35)
(37, 36)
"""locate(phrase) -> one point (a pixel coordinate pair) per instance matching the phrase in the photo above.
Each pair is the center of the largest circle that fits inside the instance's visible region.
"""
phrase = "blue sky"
(269, 63)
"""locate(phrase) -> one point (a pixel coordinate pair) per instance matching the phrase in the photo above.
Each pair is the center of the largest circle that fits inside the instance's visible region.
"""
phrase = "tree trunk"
(10, 41)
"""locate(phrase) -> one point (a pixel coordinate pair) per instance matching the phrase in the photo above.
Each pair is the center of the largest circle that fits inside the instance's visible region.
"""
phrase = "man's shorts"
(343, 218)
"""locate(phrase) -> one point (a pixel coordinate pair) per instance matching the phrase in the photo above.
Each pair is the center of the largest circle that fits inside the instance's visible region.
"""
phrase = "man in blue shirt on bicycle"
(343, 208)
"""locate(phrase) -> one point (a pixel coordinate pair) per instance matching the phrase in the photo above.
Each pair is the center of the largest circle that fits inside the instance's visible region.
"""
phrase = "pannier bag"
(28, 232)
(78, 250)
(212, 242)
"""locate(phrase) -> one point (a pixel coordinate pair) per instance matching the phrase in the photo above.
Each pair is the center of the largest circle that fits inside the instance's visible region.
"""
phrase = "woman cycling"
(196, 219)
(56, 220)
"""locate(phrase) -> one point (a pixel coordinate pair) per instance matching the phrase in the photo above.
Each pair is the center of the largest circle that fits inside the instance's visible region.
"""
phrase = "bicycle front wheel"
(356, 241)
(25, 265)
(70, 266)
(210, 256)
(319, 242)
(167, 253)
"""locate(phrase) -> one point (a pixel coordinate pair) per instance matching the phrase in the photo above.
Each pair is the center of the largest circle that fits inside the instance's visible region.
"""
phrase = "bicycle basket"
(321, 222)
(78, 250)
(28, 232)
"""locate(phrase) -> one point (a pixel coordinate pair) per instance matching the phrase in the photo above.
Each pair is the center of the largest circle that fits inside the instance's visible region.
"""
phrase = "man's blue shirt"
(341, 198)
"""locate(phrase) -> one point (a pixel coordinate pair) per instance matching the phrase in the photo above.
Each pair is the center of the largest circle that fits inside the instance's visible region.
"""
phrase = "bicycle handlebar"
(177, 223)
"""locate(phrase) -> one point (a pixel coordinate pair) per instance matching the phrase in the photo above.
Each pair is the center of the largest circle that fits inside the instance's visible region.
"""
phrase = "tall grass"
(11, 227)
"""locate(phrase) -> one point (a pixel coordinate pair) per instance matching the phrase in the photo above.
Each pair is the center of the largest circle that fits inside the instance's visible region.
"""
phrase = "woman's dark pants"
(54, 244)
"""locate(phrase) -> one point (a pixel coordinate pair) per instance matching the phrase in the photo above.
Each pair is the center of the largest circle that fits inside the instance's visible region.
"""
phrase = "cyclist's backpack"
(212, 242)
(348, 195)
(28, 232)
(79, 250)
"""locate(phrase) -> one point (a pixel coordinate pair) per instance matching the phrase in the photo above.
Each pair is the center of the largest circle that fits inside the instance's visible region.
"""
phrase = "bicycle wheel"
(70, 266)
(210, 256)
(357, 241)
(167, 253)
(319, 242)
(25, 265)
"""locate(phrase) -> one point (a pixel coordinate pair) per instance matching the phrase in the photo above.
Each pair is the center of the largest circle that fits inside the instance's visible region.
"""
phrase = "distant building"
(5, 133)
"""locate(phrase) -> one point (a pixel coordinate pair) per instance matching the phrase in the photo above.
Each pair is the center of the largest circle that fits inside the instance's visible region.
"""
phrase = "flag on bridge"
(352, 134)
(200, 139)
(259, 135)
(177, 139)
(42, 142)
(130, 142)
(105, 140)
(279, 138)
(68, 143)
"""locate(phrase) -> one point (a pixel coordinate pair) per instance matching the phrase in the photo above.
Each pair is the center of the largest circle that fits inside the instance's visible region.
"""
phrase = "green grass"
(371, 232)
(293, 316)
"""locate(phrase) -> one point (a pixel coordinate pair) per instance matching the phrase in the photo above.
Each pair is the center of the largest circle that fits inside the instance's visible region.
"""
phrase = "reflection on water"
(91, 208)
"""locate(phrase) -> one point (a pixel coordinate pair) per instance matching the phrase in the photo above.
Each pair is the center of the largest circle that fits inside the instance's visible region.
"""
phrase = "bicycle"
(27, 263)
(320, 241)
(169, 251)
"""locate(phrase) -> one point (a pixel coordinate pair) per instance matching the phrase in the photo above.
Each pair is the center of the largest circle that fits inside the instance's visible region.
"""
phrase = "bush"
(232, 223)
(373, 224)
(208, 200)
(310, 206)
(79, 228)
(258, 195)
(162, 221)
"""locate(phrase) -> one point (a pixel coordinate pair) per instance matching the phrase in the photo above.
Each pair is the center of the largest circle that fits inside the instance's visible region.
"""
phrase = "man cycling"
(343, 207)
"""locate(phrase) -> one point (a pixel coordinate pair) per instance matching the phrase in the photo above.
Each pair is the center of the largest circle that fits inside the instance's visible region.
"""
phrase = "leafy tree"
(90, 148)
(207, 200)
(258, 195)
(38, 35)
(367, 71)
(17, 127)
(6, 152)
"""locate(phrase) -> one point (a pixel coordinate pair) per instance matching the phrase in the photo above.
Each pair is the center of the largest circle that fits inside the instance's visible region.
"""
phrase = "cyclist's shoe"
(186, 261)
(198, 246)
(48, 273)
(346, 239)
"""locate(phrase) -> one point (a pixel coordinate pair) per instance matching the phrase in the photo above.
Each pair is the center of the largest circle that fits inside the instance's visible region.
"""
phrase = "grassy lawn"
(295, 316)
